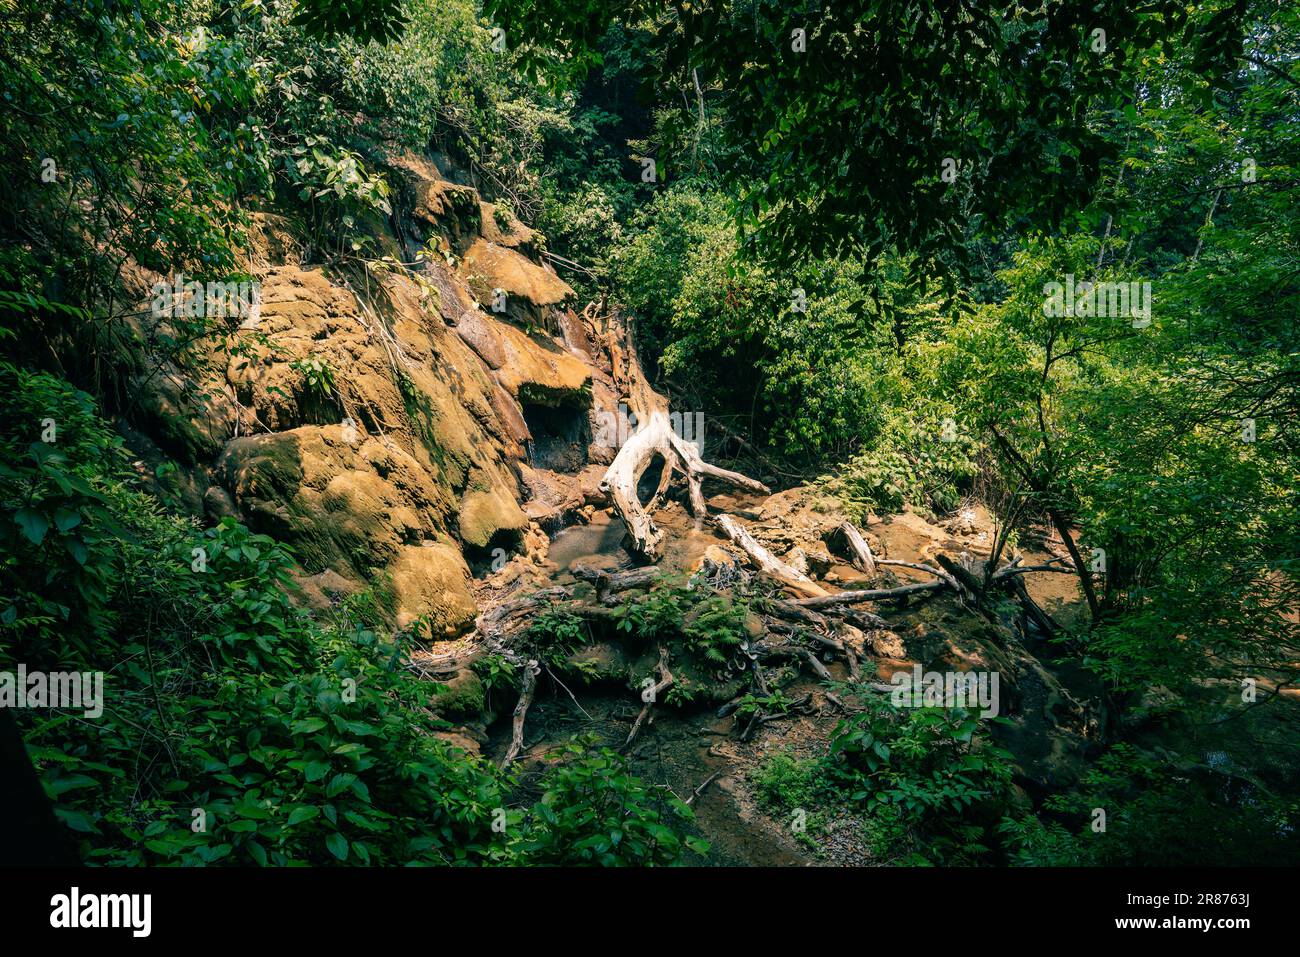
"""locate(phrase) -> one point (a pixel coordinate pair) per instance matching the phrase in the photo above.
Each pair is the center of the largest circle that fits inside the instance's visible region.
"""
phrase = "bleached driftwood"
(862, 557)
(653, 438)
(765, 561)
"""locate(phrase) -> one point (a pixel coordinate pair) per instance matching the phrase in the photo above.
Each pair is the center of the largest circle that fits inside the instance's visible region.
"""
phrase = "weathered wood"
(665, 682)
(920, 567)
(961, 575)
(501, 621)
(700, 790)
(860, 618)
(862, 557)
(1031, 608)
(654, 437)
(814, 663)
(609, 582)
(529, 683)
(870, 594)
(789, 611)
(765, 561)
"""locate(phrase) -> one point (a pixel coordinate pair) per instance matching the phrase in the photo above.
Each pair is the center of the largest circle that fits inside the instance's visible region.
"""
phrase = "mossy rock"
(462, 696)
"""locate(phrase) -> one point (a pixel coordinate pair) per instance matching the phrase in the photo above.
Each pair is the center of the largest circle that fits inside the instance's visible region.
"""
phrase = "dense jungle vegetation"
(835, 226)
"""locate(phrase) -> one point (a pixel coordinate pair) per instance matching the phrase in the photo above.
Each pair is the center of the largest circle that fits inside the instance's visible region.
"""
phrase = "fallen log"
(942, 581)
(789, 611)
(1009, 570)
(609, 582)
(961, 575)
(863, 560)
(928, 569)
(870, 594)
(765, 561)
(1031, 608)
(864, 620)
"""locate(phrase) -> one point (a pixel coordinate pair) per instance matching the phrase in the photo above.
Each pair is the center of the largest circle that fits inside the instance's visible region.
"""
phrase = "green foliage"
(912, 462)
(714, 629)
(495, 671)
(337, 188)
(317, 373)
(846, 141)
(774, 702)
(707, 625)
(59, 521)
(926, 760)
(785, 784)
(555, 634)
(812, 359)
(593, 811)
(378, 20)
(125, 138)
(654, 615)
(1157, 815)
(923, 777)
(295, 742)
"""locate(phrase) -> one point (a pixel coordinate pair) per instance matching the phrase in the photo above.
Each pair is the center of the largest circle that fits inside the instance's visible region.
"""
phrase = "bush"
(593, 811)
(1157, 816)
(926, 777)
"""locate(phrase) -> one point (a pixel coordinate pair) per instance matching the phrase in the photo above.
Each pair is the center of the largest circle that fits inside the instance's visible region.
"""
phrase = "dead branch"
(870, 594)
(531, 671)
(700, 790)
(665, 682)
(814, 663)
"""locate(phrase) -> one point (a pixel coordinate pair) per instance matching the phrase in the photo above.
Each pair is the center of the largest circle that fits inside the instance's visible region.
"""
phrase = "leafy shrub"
(593, 811)
(911, 462)
(922, 776)
(655, 615)
(317, 374)
(555, 634)
(928, 761)
(495, 671)
(1157, 816)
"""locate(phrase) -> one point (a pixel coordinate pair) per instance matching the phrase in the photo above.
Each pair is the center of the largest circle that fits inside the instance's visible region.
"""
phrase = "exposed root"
(531, 671)
(665, 682)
